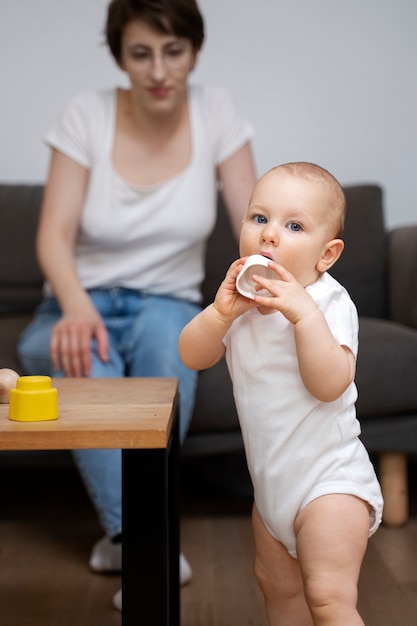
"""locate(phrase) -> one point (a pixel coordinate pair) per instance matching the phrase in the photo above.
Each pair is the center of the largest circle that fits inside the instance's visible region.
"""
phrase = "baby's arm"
(326, 367)
(201, 341)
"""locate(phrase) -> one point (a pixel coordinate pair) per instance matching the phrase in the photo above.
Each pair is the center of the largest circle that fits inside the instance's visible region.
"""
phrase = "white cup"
(255, 264)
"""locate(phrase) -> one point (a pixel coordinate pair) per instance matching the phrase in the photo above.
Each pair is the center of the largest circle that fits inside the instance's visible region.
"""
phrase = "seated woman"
(129, 204)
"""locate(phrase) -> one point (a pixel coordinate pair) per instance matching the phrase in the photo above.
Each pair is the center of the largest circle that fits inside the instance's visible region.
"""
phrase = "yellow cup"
(33, 400)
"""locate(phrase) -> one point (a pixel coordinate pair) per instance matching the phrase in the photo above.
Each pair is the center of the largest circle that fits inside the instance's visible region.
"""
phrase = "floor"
(47, 528)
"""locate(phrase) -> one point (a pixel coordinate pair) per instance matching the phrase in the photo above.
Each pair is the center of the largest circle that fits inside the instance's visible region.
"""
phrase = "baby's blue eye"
(260, 219)
(294, 227)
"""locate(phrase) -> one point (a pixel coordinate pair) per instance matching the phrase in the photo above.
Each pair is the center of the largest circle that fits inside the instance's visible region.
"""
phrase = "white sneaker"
(185, 577)
(117, 600)
(186, 572)
(106, 556)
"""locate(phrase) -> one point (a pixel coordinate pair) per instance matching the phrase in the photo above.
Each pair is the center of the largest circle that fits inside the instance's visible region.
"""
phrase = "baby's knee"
(327, 596)
(273, 585)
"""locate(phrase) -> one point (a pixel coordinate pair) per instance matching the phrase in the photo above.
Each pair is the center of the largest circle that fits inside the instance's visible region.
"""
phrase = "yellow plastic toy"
(33, 399)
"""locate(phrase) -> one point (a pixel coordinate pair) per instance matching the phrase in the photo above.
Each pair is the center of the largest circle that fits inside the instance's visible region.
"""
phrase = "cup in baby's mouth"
(255, 264)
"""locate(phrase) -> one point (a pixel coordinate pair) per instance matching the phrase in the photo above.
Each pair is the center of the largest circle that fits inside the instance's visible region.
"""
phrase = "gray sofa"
(379, 269)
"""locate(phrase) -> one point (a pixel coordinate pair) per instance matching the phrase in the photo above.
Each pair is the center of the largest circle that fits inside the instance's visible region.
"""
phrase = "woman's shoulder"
(211, 95)
(215, 105)
(81, 125)
(87, 111)
(219, 120)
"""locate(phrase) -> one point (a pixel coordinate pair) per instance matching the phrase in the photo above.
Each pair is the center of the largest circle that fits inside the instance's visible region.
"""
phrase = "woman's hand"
(71, 339)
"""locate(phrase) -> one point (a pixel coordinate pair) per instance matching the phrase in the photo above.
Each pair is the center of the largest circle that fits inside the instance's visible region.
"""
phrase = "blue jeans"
(143, 339)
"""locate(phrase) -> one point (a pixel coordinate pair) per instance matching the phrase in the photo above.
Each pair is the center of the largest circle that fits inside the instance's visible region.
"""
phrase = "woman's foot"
(185, 577)
(186, 573)
(117, 600)
(106, 556)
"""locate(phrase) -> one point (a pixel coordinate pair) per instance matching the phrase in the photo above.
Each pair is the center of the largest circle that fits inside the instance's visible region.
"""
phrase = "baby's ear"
(331, 252)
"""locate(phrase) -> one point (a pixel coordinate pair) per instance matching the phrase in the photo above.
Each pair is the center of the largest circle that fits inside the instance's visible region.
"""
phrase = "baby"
(291, 353)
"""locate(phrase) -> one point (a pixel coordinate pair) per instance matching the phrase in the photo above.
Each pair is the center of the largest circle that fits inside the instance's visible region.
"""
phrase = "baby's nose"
(270, 234)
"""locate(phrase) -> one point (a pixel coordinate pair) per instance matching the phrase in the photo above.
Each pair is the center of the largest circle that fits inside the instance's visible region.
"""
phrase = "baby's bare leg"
(332, 534)
(279, 577)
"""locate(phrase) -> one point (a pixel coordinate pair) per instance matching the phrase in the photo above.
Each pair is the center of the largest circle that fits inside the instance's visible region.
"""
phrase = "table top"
(99, 413)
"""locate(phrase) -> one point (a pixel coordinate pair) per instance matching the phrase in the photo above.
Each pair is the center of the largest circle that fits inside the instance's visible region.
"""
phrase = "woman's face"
(158, 66)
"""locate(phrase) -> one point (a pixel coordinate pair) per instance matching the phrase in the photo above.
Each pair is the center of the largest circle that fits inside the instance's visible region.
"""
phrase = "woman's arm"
(237, 176)
(59, 222)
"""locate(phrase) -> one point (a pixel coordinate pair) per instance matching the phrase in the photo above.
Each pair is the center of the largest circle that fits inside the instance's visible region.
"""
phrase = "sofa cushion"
(20, 276)
(362, 266)
(402, 275)
(10, 328)
(386, 374)
(215, 408)
(391, 433)
(222, 249)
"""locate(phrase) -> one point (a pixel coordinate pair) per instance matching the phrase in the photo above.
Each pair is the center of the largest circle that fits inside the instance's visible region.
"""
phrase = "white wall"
(329, 81)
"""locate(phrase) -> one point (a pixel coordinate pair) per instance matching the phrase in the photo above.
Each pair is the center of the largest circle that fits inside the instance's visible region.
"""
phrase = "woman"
(129, 203)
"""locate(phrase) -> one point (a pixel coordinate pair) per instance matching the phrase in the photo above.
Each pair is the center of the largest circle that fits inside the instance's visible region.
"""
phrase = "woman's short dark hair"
(179, 17)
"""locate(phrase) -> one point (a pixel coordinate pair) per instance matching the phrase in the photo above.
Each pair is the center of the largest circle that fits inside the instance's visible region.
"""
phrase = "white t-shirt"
(147, 238)
(297, 447)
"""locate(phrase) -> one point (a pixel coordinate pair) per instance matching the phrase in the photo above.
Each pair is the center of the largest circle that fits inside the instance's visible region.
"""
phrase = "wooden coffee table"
(138, 415)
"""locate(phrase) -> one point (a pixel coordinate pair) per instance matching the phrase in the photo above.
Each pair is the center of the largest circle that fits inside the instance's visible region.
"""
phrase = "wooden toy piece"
(8, 379)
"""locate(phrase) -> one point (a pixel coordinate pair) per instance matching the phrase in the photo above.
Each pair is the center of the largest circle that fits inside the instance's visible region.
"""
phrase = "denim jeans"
(143, 339)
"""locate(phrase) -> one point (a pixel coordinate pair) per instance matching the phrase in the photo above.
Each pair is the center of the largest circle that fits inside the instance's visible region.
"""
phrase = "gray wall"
(328, 81)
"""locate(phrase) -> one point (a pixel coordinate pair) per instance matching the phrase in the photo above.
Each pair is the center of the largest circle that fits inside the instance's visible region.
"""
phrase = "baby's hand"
(287, 295)
(229, 303)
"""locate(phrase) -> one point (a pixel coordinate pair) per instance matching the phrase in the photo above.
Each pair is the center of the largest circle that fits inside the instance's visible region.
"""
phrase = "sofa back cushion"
(20, 276)
(362, 266)
(222, 249)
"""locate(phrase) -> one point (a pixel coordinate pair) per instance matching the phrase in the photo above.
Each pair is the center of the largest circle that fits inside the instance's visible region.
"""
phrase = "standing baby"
(291, 353)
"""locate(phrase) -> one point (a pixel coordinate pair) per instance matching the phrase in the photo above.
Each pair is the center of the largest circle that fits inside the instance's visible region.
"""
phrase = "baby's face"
(288, 221)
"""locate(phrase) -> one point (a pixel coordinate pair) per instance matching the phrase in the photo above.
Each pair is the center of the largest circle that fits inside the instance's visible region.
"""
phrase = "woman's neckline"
(144, 186)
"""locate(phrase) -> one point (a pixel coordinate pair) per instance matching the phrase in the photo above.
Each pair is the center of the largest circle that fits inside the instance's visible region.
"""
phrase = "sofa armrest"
(402, 275)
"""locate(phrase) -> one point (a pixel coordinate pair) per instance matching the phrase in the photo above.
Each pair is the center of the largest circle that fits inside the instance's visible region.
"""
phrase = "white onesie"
(297, 447)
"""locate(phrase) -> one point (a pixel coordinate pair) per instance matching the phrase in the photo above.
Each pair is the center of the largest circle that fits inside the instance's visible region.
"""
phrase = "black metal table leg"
(150, 547)
(174, 525)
